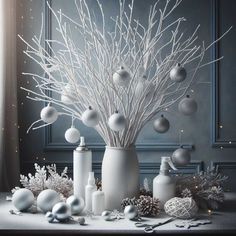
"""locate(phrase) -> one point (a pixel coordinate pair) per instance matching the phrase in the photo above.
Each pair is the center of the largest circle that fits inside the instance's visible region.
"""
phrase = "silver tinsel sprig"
(206, 188)
(46, 177)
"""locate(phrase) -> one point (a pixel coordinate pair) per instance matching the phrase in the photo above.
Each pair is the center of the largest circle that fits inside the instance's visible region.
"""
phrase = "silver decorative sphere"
(131, 212)
(90, 117)
(47, 199)
(76, 204)
(178, 73)
(49, 216)
(121, 77)
(187, 106)
(81, 220)
(161, 125)
(61, 211)
(49, 114)
(117, 122)
(181, 157)
(106, 215)
(23, 199)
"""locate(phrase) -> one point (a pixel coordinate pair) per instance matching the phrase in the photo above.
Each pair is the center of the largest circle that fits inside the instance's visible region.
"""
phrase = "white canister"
(98, 202)
(82, 165)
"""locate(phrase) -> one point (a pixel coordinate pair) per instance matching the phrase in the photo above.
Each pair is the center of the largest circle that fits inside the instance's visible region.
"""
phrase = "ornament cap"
(187, 96)
(178, 64)
(162, 115)
(90, 108)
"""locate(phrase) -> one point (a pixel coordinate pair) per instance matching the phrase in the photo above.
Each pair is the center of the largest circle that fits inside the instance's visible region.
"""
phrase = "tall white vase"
(120, 175)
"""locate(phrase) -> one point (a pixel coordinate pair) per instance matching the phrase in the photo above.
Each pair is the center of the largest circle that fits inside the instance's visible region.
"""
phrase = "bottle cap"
(82, 146)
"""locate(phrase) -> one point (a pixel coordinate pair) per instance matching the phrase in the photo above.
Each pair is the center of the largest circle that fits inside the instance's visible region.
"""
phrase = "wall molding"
(49, 145)
(216, 141)
(224, 165)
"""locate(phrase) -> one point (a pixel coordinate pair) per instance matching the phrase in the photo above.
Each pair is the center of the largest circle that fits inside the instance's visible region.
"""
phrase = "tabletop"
(223, 221)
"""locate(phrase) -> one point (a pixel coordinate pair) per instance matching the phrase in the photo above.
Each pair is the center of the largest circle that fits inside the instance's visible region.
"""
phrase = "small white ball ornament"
(90, 117)
(117, 122)
(72, 135)
(161, 124)
(23, 199)
(131, 212)
(178, 73)
(61, 211)
(76, 204)
(49, 114)
(121, 77)
(181, 157)
(187, 106)
(47, 199)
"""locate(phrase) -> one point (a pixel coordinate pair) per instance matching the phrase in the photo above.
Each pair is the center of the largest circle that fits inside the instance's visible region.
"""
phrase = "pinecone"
(186, 193)
(144, 192)
(128, 201)
(147, 206)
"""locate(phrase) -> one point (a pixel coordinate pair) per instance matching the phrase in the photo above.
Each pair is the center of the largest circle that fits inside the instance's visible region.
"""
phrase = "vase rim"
(121, 148)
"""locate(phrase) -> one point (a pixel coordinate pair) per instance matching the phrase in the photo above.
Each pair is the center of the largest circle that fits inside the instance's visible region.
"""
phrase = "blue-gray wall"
(215, 95)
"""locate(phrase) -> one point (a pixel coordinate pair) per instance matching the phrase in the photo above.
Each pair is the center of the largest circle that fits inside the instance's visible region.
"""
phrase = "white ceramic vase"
(120, 175)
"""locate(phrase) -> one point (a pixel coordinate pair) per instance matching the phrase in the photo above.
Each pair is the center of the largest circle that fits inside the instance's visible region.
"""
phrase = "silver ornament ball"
(178, 73)
(117, 122)
(49, 216)
(49, 114)
(47, 199)
(181, 157)
(106, 215)
(187, 106)
(76, 204)
(81, 220)
(121, 77)
(131, 212)
(90, 117)
(61, 211)
(161, 125)
(23, 199)
(72, 135)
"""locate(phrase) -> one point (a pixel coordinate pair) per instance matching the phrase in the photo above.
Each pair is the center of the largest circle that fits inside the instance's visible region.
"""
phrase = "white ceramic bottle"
(164, 184)
(98, 202)
(82, 165)
(89, 189)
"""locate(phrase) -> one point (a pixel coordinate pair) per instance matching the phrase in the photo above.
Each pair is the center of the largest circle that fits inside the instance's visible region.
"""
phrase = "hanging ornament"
(49, 114)
(90, 117)
(76, 204)
(131, 212)
(61, 211)
(121, 77)
(106, 215)
(178, 73)
(117, 121)
(181, 157)
(23, 199)
(67, 93)
(50, 217)
(161, 124)
(72, 135)
(47, 199)
(187, 106)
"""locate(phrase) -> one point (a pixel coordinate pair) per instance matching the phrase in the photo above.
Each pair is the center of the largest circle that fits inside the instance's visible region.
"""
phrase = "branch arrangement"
(83, 70)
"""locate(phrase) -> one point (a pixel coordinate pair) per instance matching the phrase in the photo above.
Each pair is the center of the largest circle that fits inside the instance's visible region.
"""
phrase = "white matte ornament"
(187, 106)
(178, 73)
(90, 117)
(131, 212)
(23, 199)
(183, 208)
(47, 199)
(61, 211)
(49, 114)
(76, 204)
(181, 157)
(117, 122)
(121, 77)
(72, 135)
(161, 124)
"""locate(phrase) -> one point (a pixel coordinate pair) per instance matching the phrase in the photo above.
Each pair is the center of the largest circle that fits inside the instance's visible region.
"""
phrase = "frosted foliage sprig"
(206, 187)
(47, 178)
(88, 61)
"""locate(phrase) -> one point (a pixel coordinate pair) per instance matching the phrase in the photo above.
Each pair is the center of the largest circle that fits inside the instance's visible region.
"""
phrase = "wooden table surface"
(223, 221)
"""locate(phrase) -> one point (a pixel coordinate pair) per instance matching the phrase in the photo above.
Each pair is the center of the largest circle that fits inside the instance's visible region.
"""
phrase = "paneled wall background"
(210, 134)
